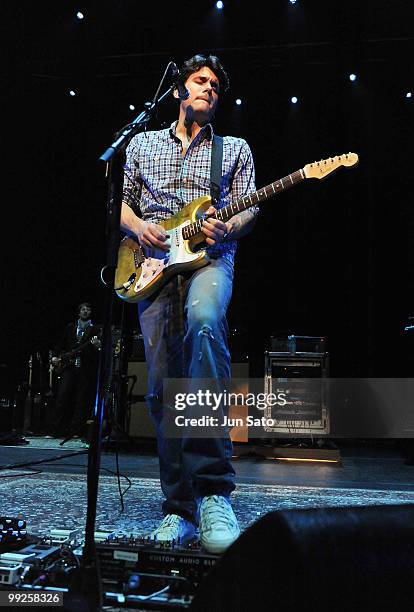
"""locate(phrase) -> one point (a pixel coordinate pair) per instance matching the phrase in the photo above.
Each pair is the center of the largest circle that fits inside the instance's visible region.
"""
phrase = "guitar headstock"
(322, 168)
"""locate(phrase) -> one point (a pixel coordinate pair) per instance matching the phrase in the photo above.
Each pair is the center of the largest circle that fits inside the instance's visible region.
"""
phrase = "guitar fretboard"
(225, 213)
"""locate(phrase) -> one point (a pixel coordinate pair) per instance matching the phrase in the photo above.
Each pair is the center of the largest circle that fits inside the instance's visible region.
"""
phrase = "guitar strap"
(216, 168)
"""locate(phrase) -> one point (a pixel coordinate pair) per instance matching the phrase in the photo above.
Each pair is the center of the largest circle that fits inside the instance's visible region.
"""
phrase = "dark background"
(332, 258)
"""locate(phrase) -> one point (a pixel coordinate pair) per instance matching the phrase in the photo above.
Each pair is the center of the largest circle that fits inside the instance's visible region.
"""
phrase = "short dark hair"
(198, 61)
(87, 304)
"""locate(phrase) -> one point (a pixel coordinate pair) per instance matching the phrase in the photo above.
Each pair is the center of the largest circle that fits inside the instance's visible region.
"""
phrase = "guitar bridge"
(139, 256)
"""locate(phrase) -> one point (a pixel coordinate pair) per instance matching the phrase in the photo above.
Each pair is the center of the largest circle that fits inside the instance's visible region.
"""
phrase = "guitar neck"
(225, 213)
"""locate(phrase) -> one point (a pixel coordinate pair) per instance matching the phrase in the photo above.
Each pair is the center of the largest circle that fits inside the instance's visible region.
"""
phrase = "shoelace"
(169, 523)
(218, 512)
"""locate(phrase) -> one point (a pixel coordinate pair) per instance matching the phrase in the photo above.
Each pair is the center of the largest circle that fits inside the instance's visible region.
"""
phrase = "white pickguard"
(159, 262)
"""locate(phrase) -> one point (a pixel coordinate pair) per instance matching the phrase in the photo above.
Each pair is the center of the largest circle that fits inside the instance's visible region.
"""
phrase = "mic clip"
(183, 92)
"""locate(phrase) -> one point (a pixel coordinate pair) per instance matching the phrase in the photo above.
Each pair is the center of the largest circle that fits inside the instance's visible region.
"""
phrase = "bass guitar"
(141, 271)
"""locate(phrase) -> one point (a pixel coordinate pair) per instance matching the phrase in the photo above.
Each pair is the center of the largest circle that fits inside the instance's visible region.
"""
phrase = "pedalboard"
(13, 532)
(135, 572)
(123, 556)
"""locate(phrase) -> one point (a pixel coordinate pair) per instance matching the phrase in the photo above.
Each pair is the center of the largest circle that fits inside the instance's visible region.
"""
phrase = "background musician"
(75, 360)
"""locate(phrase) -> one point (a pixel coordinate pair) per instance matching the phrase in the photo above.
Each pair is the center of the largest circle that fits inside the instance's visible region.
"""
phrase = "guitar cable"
(125, 286)
(103, 281)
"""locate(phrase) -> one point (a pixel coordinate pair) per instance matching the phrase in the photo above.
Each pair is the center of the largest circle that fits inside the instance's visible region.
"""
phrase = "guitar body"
(68, 358)
(65, 360)
(141, 272)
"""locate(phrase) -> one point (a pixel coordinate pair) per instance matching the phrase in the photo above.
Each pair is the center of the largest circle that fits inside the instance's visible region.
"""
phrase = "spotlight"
(72, 93)
(238, 101)
(219, 5)
(292, 1)
(79, 15)
(352, 77)
(294, 100)
(409, 94)
(131, 107)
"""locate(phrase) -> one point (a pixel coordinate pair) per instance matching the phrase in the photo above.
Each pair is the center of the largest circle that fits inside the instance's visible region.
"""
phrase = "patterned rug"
(58, 501)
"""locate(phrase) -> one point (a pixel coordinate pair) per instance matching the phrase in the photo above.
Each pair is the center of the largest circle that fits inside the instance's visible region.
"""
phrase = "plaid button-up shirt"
(159, 180)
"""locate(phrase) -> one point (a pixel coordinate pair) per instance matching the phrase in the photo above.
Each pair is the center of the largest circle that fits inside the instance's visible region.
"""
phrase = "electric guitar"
(142, 271)
(61, 362)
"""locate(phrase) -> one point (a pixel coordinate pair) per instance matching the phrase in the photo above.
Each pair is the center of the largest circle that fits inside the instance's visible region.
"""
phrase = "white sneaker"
(174, 528)
(218, 524)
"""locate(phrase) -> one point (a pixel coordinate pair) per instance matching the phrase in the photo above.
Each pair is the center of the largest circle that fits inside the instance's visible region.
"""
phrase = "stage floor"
(54, 495)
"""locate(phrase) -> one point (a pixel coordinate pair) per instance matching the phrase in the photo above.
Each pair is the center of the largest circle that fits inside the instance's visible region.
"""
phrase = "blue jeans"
(185, 334)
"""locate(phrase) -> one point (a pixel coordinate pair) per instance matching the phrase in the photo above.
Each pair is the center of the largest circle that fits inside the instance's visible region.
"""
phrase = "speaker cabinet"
(137, 378)
(140, 423)
(355, 559)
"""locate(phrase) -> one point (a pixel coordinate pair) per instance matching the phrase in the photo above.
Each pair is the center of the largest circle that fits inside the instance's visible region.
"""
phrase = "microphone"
(183, 92)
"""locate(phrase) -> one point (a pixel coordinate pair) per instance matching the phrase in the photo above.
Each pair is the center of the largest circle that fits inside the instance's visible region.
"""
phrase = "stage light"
(294, 100)
(352, 77)
(79, 15)
(292, 1)
(238, 101)
(409, 94)
(131, 107)
(304, 460)
(72, 93)
(219, 5)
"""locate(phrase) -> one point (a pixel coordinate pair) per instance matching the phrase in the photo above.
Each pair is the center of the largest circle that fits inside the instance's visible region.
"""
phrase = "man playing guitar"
(75, 361)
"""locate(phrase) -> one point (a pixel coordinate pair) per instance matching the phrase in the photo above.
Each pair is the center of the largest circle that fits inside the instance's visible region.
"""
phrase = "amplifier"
(139, 423)
(301, 377)
(136, 347)
(298, 344)
(138, 378)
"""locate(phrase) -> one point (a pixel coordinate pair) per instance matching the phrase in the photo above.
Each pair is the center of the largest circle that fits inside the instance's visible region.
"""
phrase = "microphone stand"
(86, 583)
(134, 127)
